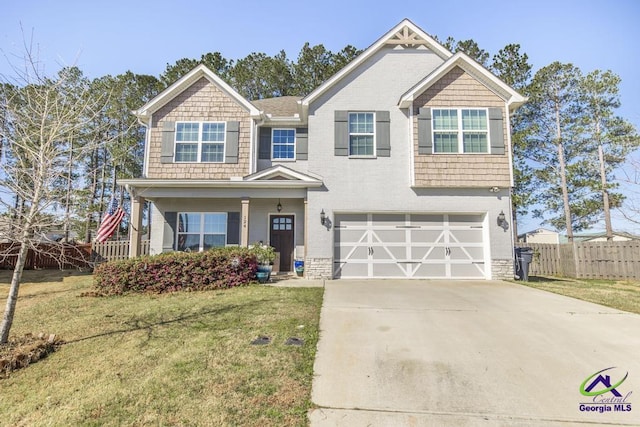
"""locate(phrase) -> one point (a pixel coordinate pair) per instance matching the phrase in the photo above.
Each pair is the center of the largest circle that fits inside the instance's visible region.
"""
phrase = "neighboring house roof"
(537, 231)
(183, 83)
(460, 59)
(405, 33)
(284, 106)
(585, 237)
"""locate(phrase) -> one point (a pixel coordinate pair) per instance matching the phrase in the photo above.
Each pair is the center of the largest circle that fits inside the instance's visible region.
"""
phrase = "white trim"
(431, 43)
(280, 170)
(509, 152)
(295, 140)
(187, 80)
(147, 143)
(199, 142)
(481, 74)
(460, 131)
(145, 183)
(412, 153)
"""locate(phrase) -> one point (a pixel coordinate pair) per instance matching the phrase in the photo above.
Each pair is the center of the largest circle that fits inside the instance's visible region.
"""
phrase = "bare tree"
(45, 129)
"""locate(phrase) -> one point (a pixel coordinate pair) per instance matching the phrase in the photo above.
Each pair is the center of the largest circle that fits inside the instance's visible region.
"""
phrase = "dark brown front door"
(281, 238)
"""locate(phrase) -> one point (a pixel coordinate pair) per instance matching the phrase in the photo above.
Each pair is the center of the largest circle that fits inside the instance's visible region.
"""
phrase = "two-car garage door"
(409, 246)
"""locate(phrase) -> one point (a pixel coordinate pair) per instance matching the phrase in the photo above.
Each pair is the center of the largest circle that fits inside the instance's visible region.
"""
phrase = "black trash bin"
(524, 256)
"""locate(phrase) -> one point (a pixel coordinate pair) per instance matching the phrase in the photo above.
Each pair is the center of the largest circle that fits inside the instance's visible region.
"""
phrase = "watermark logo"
(606, 394)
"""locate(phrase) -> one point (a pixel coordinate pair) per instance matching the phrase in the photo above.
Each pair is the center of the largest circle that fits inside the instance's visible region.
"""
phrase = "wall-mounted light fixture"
(502, 221)
(323, 217)
(279, 206)
(494, 189)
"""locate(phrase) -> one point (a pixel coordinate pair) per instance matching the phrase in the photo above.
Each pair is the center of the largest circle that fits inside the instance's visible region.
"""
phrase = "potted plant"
(265, 255)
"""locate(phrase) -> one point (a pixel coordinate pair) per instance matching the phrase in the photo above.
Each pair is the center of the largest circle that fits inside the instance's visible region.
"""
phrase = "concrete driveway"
(466, 353)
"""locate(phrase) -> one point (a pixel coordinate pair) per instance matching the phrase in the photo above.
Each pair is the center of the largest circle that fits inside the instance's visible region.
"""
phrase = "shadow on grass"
(40, 276)
(543, 279)
(136, 325)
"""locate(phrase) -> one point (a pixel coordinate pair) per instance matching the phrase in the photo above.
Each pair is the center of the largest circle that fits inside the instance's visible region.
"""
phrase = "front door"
(281, 238)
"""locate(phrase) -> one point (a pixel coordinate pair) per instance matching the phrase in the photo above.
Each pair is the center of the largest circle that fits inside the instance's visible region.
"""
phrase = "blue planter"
(262, 276)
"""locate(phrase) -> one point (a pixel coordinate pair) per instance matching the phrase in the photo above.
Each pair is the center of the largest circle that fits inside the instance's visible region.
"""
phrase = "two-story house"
(398, 166)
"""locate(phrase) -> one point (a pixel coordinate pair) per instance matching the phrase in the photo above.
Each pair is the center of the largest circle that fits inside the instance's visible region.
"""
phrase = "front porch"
(190, 215)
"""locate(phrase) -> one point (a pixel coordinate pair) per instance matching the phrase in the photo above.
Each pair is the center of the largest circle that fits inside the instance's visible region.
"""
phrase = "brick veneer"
(202, 101)
(459, 89)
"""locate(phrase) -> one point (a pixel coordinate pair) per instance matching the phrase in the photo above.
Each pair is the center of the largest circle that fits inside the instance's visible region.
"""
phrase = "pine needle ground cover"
(622, 295)
(174, 359)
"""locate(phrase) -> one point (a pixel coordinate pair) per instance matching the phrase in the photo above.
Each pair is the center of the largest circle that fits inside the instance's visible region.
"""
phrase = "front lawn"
(622, 295)
(173, 359)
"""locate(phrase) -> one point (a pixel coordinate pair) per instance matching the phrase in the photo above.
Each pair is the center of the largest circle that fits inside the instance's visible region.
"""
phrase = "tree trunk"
(563, 177)
(605, 194)
(93, 195)
(12, 299)
(67, 207)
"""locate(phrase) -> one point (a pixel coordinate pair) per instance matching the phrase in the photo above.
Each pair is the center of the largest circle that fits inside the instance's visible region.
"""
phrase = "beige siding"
(459, 89)
(202, 101)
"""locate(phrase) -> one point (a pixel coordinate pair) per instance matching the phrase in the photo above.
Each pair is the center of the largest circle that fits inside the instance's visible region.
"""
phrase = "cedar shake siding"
(202, 101)
(459, 89)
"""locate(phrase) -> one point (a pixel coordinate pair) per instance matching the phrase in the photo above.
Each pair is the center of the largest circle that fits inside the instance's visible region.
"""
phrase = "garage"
(437, 246)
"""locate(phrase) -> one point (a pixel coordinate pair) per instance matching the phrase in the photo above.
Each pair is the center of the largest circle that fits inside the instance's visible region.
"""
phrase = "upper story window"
(460, 130)
(198, 231)
(361, 134)
(283, 144)
(200, 142)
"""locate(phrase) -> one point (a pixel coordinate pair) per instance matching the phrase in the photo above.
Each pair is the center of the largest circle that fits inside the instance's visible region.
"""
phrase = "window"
(460, 131)
(201, 231)
(283, 144)
(361, 134)
(200, 142)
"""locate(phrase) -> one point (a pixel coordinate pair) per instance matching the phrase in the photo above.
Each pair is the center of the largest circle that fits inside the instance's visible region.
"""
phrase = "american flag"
(110, 221)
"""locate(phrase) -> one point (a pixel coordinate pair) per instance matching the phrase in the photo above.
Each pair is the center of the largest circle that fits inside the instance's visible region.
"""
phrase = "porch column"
(137, 204)
(244, 223)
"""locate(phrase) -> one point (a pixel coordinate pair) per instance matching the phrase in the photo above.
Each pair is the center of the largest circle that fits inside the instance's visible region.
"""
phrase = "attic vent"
(406, 37)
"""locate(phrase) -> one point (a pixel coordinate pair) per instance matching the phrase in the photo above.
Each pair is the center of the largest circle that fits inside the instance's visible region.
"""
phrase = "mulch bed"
(20, 352)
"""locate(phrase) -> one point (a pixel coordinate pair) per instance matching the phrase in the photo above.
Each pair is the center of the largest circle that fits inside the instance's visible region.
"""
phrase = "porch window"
(283, 144)
(460, 130)
(361, 134)
(198, 231)
(200, 142)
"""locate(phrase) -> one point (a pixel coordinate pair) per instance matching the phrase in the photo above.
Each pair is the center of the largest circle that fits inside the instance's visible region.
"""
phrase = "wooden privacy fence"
(586, 260)
(65, 256)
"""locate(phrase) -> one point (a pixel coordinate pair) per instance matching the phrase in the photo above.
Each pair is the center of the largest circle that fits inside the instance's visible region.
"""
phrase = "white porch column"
(137, 204)
(244, 223)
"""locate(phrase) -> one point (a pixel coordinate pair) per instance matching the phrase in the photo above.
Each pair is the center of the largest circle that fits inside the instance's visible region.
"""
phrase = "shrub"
(177, 271)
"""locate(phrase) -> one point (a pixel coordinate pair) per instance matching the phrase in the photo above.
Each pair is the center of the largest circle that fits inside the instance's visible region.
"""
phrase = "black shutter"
(496, 130)
(233, 228)
(383, 134)
(425, 139)
(302, 144)
(264, 144)
(341, 142)
(168, 142)
(169, 237)
(231, 149)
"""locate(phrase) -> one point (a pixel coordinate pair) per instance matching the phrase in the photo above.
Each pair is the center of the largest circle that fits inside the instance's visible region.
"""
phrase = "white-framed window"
(200, 142)
(460, 130)
(283, 144)
(199, 231)
(362, 135)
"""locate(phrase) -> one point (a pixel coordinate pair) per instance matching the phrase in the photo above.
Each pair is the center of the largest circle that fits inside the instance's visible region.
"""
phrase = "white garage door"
(409, 246)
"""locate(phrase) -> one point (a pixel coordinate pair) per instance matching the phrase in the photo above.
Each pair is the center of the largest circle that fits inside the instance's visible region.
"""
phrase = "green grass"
(622, 295)
(178, 359)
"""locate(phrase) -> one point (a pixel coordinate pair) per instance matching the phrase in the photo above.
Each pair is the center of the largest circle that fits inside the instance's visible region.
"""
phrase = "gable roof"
(405, 33)
(484, 76)
(183, 83)
(280, 172)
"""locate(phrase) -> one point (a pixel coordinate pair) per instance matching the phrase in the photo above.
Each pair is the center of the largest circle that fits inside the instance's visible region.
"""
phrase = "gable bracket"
(407, 38)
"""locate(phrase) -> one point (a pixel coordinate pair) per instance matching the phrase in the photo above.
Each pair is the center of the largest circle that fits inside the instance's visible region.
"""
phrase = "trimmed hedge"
(177, 271)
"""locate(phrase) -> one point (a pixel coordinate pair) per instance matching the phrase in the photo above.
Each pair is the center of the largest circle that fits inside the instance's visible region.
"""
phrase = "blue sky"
(111, 37)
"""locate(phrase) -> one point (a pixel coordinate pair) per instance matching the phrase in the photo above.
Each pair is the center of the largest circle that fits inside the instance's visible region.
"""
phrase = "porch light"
(502, 221)
(323, 217)
(279, 206)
